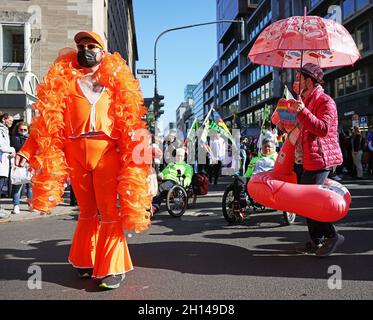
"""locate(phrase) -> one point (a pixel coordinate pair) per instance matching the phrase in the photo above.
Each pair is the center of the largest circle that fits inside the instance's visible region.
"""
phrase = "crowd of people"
(13, 135)
(356, 147)
(357, 153)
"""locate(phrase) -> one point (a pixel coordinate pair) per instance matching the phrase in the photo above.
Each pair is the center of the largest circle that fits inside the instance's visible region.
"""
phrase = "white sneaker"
(337, 178)
(16, 210)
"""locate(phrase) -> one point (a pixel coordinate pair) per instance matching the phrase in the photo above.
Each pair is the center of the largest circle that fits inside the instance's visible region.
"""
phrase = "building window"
(13, 44)
(314, 3)
(361, 4)
(348, 8)
(351, 83)
(362, 37)
(249, 118)
(258, 115)
(354, 81)
(259, 24)
(339, 87)
(362, 79)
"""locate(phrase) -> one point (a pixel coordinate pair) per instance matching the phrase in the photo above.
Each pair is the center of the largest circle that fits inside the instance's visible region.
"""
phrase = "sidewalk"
(25, 214)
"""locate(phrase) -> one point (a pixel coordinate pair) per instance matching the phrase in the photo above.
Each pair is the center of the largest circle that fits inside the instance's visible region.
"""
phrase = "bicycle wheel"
(289, 217)
(176, 201)
(228, 206)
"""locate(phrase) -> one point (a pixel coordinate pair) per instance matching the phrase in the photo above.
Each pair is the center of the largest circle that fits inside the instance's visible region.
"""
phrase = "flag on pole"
(192, 131)
(219, 125)
(189, 143)
(204, 142)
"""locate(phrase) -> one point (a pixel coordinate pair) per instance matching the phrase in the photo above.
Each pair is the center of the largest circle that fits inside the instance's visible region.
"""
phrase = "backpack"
(200, 184)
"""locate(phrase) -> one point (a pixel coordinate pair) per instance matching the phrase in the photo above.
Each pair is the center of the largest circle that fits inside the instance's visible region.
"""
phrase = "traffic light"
(240, 30)
(158, 105)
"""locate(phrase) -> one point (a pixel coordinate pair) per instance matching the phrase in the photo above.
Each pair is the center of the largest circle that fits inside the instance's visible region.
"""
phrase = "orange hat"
(91, 35)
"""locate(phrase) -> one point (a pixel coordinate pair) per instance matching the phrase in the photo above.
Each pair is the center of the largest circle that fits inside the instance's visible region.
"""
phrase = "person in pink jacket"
(317, 114)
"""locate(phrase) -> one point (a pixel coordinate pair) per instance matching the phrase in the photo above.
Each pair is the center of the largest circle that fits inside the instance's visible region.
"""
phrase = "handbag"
(20, 175)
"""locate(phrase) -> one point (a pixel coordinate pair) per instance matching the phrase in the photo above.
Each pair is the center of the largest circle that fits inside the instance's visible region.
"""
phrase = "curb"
(37, 216)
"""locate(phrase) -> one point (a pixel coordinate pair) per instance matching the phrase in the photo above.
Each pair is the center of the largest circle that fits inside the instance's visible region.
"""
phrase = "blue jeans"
(17, 190)
(3, 182)
(243, 161)
(317, 229)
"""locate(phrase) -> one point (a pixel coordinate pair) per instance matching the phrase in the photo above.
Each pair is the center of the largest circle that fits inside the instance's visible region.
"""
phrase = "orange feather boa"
(126, 111)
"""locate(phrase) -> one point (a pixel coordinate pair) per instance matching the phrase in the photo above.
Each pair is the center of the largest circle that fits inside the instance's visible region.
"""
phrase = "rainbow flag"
(218, 124)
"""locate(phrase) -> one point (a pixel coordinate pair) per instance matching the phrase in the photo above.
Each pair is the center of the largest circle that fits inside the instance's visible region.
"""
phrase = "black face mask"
(87, 58)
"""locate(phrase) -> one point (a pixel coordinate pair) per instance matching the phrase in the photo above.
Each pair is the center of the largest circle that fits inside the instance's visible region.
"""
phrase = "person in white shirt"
(6, 153)
(217, 156)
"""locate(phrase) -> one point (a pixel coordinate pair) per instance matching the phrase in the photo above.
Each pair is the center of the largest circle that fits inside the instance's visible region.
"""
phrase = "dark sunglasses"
(23, 130)
(89, 46)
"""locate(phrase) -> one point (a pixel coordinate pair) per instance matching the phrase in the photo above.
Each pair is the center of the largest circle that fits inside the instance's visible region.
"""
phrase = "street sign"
(145, 71)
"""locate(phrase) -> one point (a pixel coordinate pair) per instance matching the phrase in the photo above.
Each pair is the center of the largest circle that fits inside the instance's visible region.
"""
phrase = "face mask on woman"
(23, 133)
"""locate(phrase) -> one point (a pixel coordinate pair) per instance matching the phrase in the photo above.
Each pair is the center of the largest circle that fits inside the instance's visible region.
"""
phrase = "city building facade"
(228, 51)
(188, 92)
(33, 32)
(188, 119)
(245, 89)
(211, 89)
(351, 87)
(121, 31)
(180, 115)
(198, 101)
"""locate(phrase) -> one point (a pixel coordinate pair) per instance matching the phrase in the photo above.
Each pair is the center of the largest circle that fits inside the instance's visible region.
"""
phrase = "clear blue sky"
(184, 56)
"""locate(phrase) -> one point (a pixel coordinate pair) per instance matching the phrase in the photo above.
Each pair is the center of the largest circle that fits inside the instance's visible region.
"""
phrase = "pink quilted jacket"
(319, 133)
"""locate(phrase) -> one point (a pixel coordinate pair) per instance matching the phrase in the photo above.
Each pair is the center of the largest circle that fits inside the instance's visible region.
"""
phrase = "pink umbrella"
(295, 41)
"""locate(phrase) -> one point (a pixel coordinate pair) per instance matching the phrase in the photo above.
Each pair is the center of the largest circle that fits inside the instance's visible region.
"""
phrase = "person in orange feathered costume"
(89, 109)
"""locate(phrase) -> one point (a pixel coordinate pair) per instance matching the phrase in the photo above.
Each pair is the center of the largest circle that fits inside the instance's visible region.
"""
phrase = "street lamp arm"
(180, 28)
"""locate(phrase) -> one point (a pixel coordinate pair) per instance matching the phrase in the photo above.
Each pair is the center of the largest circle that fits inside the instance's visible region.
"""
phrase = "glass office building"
(198, 101)
(245, 88)
(351, 87)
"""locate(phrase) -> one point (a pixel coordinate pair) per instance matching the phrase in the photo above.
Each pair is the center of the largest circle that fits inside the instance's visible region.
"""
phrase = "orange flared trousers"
(98, 243)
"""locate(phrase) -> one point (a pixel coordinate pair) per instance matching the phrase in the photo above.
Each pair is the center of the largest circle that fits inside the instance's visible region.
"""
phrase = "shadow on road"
(202, 258)
(51, 256)
(188, 225)
(206, 258)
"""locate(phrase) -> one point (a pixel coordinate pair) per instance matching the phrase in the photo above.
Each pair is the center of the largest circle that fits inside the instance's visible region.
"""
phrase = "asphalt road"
(198, 256)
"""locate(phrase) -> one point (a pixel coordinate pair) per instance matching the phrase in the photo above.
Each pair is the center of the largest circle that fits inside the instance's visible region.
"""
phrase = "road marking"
(361, 197)
(201, 209)
(360, 181)
(34, 241)
(211, 194)
(362, 208)
(198, 213)
(353, 224)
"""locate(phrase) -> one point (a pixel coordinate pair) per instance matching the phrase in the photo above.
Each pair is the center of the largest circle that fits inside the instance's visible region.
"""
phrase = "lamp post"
(241, 35)
(158, 98)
